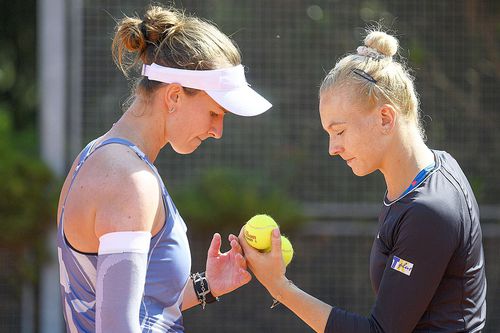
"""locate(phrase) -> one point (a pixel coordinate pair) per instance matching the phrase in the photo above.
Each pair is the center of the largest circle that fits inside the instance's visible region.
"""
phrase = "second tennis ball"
(258, 231)
(286, 250)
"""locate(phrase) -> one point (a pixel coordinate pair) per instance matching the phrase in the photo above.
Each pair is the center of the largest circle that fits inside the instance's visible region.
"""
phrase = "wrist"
(279, 287)
(202, 289)
(209, 278)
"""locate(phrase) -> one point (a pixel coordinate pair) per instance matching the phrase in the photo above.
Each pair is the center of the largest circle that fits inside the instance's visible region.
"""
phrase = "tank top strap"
(84, 155)
(124, 142)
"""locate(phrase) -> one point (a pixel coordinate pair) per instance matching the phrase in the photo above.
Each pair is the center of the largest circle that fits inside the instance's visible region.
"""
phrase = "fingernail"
(276, 232)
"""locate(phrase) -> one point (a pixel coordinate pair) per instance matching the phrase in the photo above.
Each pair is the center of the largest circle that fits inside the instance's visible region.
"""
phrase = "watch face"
(202, 289)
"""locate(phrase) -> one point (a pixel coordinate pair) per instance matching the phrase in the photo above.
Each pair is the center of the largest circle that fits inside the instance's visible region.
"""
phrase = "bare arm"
(311, 310)
(190, 298)
(125, 213)
(127, 201)
(270, 270)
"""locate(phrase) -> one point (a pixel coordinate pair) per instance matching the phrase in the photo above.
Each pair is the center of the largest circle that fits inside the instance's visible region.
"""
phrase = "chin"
(185, 149)
(361, 172)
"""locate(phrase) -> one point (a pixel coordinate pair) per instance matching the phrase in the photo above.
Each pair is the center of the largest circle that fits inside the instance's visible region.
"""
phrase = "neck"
(406, 158)
(140, 126)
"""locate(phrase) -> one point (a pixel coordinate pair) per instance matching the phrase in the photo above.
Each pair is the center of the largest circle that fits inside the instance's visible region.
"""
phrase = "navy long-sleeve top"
(427, 262)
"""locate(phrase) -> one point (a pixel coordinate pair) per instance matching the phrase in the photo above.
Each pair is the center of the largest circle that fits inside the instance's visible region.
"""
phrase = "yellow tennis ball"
(258, 231)
(286, 250)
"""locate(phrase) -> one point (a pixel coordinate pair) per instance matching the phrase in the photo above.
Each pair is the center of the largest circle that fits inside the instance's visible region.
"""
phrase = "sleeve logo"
(401, 265)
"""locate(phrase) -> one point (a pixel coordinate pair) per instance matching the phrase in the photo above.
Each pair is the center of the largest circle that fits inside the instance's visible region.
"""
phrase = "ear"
(387, 116)
(172, 96)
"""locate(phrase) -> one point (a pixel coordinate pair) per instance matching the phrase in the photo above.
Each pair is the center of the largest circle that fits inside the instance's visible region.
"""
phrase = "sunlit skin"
(356, 133)
(373, 137)
(170, 116)
(117, 191)
(195, 118)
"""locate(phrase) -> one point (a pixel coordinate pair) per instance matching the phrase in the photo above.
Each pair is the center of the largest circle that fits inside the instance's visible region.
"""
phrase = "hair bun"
(129, 31)
(382, 43)
(158, 21)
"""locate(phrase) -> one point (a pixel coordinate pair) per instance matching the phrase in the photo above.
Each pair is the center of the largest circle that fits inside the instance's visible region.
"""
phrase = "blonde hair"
(171, 38)
(375, 77)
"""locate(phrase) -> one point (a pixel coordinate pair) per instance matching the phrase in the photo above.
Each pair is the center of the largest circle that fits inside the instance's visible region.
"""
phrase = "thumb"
(276, 241)
(214, 249)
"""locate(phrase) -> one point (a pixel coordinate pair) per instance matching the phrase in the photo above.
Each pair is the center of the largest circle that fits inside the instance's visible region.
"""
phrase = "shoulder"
(115, 168)
(420, 223)
(445, 159)
(449, 172)
(430, 218)
(440, 197)
(125, 188)
(430, 210)
(450, 186)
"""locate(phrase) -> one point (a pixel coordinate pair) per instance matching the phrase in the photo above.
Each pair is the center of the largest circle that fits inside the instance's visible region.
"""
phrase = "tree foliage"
(27, 186)
(227, 198)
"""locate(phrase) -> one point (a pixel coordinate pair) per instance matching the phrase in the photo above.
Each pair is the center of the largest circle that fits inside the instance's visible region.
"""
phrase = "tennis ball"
(286, 250)
(258, 231)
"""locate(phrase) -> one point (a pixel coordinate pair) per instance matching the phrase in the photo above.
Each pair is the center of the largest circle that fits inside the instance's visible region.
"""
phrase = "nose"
(335, 148)
(217, 128)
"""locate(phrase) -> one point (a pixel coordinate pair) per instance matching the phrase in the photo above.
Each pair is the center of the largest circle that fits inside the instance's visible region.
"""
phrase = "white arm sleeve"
(121, 275)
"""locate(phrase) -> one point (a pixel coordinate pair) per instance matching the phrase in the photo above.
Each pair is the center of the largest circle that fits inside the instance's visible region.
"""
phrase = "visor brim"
(242, 101)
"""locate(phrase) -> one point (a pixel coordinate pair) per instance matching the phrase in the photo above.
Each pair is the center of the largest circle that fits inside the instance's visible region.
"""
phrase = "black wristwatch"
(202, 289)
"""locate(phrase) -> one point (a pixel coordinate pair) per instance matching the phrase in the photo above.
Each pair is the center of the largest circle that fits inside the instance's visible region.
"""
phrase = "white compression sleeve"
(121, 275)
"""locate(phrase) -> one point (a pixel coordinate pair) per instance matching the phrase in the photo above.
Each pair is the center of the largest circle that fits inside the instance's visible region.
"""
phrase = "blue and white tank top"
(169, 265)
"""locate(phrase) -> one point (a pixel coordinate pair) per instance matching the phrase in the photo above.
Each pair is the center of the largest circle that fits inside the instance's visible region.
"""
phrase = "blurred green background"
(276, 163)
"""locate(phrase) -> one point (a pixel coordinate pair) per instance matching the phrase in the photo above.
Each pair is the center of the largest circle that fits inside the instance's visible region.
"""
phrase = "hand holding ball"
(258, 235)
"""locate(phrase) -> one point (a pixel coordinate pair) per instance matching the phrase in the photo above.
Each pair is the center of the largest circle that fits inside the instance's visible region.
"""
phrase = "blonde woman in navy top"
(124, 256)
(426, 263)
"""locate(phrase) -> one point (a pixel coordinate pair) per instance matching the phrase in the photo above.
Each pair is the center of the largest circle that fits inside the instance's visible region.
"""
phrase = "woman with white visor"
(123, 252)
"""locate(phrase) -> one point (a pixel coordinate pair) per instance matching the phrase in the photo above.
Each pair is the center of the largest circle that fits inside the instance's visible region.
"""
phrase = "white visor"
(227, 86)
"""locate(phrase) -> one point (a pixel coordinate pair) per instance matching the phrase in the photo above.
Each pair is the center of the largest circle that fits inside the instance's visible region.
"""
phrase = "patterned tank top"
(169, 265)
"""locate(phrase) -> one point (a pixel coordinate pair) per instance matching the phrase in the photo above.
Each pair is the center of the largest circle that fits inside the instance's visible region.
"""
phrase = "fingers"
(235, 244)
(276, 245)
(214, 249)
(276, 241)
(247, 249)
